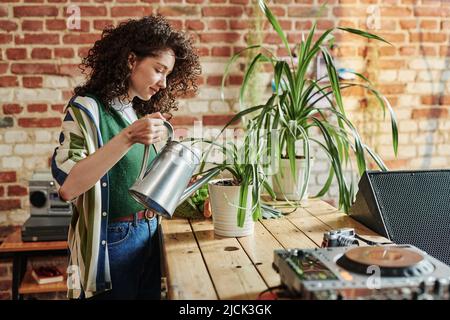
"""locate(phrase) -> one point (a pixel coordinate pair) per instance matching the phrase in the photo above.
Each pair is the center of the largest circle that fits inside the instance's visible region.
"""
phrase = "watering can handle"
(147, 148)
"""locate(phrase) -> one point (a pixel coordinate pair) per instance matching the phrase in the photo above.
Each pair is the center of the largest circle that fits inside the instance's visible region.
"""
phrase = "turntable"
(369, 272)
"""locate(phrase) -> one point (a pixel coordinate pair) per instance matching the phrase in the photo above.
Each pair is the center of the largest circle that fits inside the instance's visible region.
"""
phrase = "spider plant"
(242, 158)
(293, 110)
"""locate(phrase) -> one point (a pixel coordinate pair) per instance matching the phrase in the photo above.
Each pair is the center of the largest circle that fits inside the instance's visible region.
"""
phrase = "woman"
(135, 73)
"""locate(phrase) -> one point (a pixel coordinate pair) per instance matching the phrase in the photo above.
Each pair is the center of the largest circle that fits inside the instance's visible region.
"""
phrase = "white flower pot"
(283, 183)
(224, 207)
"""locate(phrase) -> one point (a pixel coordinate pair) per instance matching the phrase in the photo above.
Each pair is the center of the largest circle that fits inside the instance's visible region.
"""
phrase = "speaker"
(407, 207)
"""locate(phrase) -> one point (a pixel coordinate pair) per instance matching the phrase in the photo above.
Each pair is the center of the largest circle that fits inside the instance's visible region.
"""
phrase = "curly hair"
(106, 64)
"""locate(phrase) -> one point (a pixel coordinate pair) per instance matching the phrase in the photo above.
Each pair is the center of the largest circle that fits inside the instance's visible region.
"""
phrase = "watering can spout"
(198, 184)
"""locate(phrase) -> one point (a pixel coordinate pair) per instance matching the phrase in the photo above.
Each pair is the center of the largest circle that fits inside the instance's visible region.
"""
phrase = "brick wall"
(39, 55)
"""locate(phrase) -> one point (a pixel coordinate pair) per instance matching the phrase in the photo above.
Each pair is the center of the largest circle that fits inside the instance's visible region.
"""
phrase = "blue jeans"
(134, 260)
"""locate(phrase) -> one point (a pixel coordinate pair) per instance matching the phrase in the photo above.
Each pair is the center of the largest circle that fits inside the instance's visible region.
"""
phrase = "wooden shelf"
(29, 285)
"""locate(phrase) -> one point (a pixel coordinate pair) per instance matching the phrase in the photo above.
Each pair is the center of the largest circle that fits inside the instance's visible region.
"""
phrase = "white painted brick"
(41, 95)
(12, 162)
(407, 100)
(18, 217)
(426, 150)
(56, 82)
(217, 68)
(15, 136)
(211, 93)
(7, 95)
(5, 150)
(197, 106)
(43, 136)
(24, 149)
(445, 75)
(427, 64)
(408, 126)
(387, 75)
(428, 125)
(425, 88)
(33, 163)
(429, 75)
(219, 107)
(406, 75)
(44, 149)
(387, 152)
(429, 163)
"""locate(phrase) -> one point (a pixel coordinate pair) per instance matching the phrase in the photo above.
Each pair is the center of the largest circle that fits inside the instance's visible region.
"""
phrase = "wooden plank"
(260, 249)
(337, 219)
(13, 243)
(287, 233)
(30, 286)
(232, 271)
(186, 272)
(313, 227)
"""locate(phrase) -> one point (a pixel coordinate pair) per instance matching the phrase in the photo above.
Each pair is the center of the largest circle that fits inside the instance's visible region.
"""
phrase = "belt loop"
(135, 218)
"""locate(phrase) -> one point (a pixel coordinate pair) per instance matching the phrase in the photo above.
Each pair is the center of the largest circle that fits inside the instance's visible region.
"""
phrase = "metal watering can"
(163, 186)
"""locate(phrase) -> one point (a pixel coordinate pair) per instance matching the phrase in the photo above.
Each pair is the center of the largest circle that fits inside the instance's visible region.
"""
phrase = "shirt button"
(103, 242)
(104, 184)
(104, 213)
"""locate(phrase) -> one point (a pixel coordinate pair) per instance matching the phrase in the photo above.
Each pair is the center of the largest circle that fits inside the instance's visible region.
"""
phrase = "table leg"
(19, 268)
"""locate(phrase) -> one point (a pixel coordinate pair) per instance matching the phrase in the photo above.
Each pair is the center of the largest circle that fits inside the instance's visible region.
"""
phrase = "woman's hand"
(147, 130)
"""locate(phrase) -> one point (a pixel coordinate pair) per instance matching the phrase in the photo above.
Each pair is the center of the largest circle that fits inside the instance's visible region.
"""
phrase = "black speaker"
(408, 207)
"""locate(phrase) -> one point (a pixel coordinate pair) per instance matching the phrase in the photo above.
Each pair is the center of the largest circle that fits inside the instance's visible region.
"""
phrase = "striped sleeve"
(72, 145)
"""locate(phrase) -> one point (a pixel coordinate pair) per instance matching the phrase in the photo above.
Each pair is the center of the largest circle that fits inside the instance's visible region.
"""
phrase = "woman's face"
(148, 75)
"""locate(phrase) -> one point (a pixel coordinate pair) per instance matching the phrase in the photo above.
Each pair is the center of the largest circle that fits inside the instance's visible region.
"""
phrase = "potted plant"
(235, 202)
(293, 110)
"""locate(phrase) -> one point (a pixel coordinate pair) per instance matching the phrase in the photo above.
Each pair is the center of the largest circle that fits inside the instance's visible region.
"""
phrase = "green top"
(125, 172)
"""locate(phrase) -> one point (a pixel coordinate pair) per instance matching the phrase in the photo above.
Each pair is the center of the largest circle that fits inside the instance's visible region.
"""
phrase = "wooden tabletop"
(13, 243)
(202, 265)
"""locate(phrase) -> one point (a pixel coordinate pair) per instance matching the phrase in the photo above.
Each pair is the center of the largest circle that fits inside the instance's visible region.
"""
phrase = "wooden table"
(201, 265)
(20, 251)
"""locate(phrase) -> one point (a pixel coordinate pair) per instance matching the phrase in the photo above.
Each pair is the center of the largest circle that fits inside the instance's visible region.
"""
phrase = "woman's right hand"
(147, 130)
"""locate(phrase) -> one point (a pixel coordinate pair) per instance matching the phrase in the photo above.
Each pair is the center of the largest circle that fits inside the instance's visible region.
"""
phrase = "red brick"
(349, 12)
(41, 53)
(179, 11)
(8, 25)
(32, 82)
(92, 11)
(16, 53)
(395, 12)
(69, 70)
(35, 11)
(58, 107)
(9, 81)
(237, 25)
(88, 38)
(56, 24)
(8, 204)
(102, 24)
(8, 176)
(63, 52)
(39, 122)
(129, 11)
(34, 68)
(218, 24)
(37, 107)
(17, 190)
(194, 25)
(12, 108)
(229, 37)
(221, 51)
(183, 120)
(391, 64)
(236, 79)
(217, 120)
(214, 80)
(5, 38)
(32, 25)
(2, 192)
(431, 12)
(429, 113)
(427, 37)
(176, 23)
(219, 11)
(44, 38)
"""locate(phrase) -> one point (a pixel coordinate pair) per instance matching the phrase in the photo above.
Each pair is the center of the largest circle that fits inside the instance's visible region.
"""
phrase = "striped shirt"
(88, 263)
